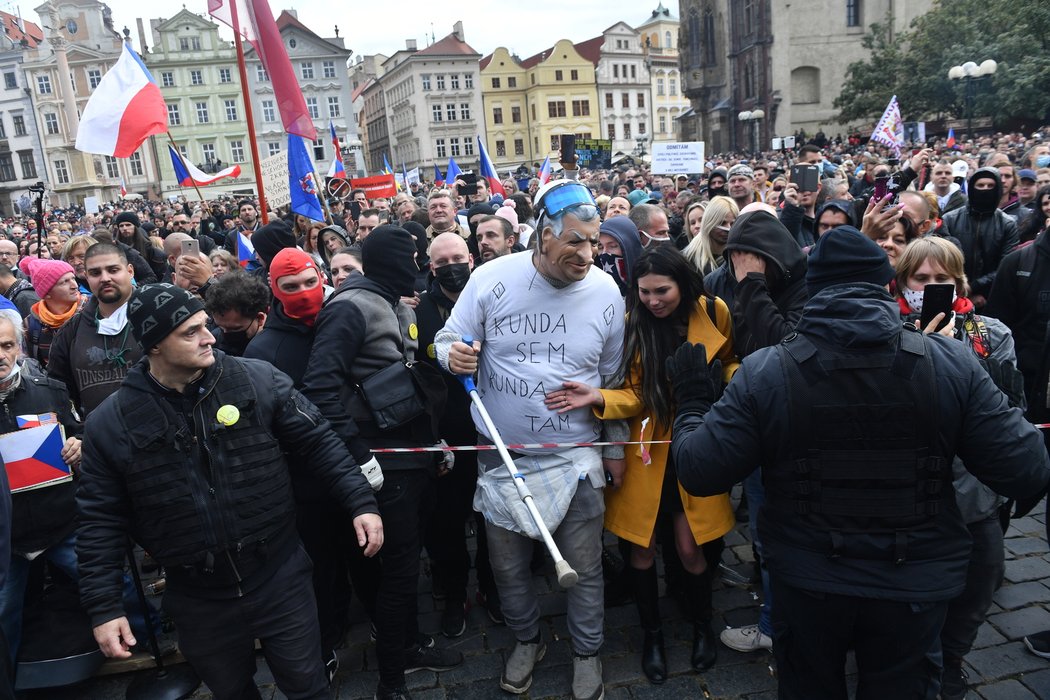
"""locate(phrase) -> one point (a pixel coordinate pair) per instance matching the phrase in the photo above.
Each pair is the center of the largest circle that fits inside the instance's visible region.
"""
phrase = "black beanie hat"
(844, 255)
(155, 310)
(416, 230)
(271, 238)
(388, 259)
(127, 217)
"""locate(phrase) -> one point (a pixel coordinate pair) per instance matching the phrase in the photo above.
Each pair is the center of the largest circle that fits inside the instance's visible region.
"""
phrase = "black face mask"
(616, 266)
(983, 201)
(235, 342)
(453, 277)
(719, 191)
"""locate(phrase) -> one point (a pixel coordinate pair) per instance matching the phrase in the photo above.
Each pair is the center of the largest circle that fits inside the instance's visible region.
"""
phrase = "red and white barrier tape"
(516, 446)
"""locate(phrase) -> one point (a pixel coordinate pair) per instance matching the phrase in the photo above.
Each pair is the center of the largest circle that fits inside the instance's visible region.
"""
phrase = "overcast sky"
(382, 26)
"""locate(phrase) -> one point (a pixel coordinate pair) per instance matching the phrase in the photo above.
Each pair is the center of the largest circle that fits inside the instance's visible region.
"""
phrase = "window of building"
(28, 163)
(641, 100)
(135, 164)
(328, 69)
(497, 115)
(7, 168)
(468, 81)
(20, 124)
(557, 75)
(495, 83)
(174, 118)
(515, 114)
(312, 109)
(51, 123)
(610, 129)
(608, 100)
(306, 69)
(94, 77)
(663, 124)
(435, 111)
(184, 44)
(536, 142)
(335, 108)
(627, 130)
(667, 40)
(237, 151)
(501, 149)
(3, 129)
(10, 81)
(634, 71)
(269, 114)
(319, 149)
(208, 151)
(581, 108)
(450, 112)
(468, 147)
(616, 70)
(195, 43)
(464, 111)
(574, 74)
(641, 127)
(711, 58)
(225, 75)
(183, 152)
(625, 100)
(672, 86)
(426, 82)
(533, 111)
(231, 110)
(693, 28)
(556, 108)
(519, 147)
(167, 79)
(43, 84)
(112, 170)
(61, 171)
(453, 146)
(440, 149)
(805, 85)
(202, 112)
(659, 86)
(273, 148)
(196, 77)
(441, 81)
(453, 81)
(261, 74)
(852, 13)
(555, 142)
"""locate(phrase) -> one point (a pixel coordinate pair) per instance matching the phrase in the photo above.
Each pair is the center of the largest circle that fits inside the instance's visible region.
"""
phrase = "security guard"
(858, 420)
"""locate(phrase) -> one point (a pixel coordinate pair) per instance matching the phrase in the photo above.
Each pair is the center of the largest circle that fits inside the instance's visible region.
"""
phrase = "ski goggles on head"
(562, 195)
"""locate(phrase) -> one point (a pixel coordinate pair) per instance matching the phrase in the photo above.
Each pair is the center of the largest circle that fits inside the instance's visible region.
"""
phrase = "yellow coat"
(631, 510)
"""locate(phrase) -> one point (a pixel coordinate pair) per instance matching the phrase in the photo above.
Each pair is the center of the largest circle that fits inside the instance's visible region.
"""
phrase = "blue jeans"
(756, 498)
(63, 556)
(579, 537)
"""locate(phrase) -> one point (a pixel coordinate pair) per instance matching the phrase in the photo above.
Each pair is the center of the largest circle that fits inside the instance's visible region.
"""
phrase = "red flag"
(253, 20)
(377, 186)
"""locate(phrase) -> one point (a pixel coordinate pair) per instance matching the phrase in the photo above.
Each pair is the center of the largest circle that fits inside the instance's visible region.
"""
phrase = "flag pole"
(183, 161)
(323, 197)
(263, 209)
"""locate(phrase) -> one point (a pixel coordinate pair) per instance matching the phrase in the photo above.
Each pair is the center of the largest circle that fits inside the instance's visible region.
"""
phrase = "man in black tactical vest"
(855, 421)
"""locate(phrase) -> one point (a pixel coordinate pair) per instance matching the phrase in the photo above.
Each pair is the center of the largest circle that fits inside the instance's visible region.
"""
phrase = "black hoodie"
(985, 233)
(766, 307)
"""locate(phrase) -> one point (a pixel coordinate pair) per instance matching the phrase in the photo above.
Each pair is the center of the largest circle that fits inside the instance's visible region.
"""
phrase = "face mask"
(616, 266)
(713, 192)
(453, 277)
(303, 306)
(914, 298)
(235, 342)
(983, 201)
(1042, 162)
(11, 374)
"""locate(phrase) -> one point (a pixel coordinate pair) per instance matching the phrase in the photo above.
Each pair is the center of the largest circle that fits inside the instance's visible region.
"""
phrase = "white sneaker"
(746, 639)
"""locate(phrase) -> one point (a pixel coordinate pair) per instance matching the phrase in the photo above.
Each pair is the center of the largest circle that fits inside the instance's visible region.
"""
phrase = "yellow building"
(529, 103)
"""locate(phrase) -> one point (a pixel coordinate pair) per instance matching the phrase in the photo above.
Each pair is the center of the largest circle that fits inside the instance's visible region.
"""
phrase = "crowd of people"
(231, 390)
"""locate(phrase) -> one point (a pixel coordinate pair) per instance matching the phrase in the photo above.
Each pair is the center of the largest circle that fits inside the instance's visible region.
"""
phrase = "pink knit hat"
(44, 273)
(508, 212)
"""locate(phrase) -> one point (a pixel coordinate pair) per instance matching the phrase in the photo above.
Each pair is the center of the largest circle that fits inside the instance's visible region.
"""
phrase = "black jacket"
(283, 342)
(40, 518)
(766, 307)
(22, 295)
(986, 238)
(210, 501)
(752, 425)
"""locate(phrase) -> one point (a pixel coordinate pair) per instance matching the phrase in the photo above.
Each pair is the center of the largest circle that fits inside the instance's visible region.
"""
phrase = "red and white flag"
(253, 20)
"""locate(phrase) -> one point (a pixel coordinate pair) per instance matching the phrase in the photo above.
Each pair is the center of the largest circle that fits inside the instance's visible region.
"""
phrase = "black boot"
(654, 658)
(705, 643)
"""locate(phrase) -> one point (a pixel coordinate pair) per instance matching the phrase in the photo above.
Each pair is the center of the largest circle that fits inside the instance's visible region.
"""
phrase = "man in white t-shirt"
(539, 318)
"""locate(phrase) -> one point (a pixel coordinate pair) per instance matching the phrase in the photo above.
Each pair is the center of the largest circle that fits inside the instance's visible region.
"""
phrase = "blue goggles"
(562, 197)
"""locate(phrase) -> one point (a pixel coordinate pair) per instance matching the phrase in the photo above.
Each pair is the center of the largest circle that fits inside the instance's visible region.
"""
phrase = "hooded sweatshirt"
(626, 234)
(766, 307)
(984, 232)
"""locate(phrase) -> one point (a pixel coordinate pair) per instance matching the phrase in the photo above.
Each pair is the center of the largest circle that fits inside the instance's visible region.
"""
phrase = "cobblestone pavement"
(999, 666)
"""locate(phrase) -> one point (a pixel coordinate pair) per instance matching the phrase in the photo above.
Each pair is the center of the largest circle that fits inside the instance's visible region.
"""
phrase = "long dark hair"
(1036, 221)
(652, 340)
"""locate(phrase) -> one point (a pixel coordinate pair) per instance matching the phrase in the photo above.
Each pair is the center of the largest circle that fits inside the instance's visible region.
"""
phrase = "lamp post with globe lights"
(751, 119)
(971, 73)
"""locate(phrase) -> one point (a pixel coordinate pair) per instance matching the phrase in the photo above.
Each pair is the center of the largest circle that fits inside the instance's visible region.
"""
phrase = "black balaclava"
(388, 257)
(420, 234)
(271, 239)
(984, 202)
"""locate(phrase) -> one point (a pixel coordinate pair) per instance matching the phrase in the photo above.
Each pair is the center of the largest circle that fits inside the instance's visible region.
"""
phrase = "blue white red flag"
(545, 171)
(438, 177)
(188, 174)
(951, 138)
(125, 108)
(488, 171)
(336, 169)
(302, 184)
(246, 252)
(33, 457)
(123, 188)
(33, 421)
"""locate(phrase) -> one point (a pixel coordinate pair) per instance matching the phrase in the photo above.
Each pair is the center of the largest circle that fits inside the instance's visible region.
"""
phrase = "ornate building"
(659, 36)
(21, 164)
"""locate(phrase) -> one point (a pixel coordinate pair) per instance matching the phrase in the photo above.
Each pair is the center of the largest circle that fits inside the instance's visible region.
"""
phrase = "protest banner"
(275, 180)
(377, 186)
(678, 157)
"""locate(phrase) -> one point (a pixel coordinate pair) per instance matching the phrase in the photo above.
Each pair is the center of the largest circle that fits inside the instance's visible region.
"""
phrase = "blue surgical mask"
(1042, 162)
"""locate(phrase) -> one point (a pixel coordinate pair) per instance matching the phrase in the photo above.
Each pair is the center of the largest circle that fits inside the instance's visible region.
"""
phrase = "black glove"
(695, 385)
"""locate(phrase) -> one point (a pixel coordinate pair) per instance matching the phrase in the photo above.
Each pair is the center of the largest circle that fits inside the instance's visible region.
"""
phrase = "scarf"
(53, 320)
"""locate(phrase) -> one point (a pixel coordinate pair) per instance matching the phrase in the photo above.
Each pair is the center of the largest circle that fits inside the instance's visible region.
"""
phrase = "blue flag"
(302, 184)
(453, 172)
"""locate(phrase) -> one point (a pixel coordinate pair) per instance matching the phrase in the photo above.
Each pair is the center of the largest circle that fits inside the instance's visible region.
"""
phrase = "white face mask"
(914, 298)
(11, 374)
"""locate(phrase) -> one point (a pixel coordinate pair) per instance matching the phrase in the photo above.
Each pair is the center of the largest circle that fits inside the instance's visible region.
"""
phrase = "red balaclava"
(304, 305)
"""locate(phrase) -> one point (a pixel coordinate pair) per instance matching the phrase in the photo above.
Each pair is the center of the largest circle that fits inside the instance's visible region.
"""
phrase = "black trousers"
(897, 645)
(328, 535)
(217, 637)
(983, 577)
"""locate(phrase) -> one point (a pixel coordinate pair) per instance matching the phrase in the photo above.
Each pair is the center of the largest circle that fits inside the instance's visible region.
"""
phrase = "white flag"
(890, 129)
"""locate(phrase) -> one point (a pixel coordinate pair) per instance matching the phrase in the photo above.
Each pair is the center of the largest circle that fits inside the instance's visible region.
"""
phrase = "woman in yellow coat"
(666, 306)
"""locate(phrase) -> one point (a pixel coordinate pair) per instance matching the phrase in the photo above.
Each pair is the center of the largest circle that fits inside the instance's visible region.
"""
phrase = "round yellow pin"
(413, 332)
(431, 353)
(228, 415)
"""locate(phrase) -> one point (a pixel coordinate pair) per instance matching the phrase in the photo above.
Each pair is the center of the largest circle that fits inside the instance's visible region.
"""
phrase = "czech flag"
(438, 179)
(951, 138)
(245, 252)
(489, 172)
(188, 174)
(123, 111)
(336, 169)
(33, 457)
(453, 171)
(545, 171)
(32, 421)
(123, 188)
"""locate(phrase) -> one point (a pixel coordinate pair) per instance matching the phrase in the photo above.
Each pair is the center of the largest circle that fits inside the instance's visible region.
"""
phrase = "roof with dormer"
(660, 14)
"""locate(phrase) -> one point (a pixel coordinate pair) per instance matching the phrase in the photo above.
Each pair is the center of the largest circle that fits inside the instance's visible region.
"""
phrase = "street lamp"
(752, 117)
(971, 73)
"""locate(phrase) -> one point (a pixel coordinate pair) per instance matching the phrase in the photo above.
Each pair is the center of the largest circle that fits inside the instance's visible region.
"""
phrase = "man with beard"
(451, 264)
(716, 184)
(131, 234)
(247, 224)
(496, 237)
(93, 351)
